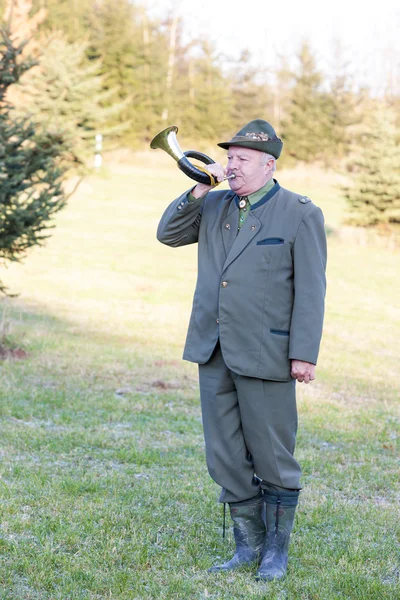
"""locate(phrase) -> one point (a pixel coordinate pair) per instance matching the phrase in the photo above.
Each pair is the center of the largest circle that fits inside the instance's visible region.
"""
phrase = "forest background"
(156, 76)
(111, 67)
(104, 491)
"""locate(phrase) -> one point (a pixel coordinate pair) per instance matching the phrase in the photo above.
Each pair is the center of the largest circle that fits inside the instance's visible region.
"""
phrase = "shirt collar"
(256, 196)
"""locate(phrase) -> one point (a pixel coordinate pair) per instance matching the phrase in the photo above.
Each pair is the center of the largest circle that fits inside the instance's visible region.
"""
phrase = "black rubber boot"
(281, 508)
(249, 531)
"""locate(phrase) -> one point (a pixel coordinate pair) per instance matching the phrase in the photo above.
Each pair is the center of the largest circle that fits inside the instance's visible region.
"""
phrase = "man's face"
(250, 173)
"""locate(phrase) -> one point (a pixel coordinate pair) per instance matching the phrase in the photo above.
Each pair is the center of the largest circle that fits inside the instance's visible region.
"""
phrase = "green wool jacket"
(260, 290)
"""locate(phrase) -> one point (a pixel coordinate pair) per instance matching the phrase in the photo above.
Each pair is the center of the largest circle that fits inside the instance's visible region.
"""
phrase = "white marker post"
(98, 159)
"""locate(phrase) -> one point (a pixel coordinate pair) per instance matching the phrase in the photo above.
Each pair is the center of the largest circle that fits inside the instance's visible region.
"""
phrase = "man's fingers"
(216, 171)
(302, 377)
(303, 371)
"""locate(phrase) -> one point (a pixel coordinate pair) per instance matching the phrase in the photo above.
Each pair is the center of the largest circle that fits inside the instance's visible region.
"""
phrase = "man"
(255, 330)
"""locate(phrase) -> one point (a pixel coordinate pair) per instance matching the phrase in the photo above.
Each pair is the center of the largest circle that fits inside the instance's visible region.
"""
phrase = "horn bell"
(167, 141)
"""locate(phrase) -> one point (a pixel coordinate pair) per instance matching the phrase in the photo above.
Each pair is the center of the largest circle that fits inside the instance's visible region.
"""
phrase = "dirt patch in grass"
(12, 353)
(166, 385)
(167, 363)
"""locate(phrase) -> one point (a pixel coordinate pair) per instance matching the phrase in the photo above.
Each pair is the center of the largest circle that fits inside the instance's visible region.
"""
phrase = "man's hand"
(303, 371)
(217, 171)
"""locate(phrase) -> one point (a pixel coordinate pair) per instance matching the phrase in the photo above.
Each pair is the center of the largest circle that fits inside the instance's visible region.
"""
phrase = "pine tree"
(343, 101)
(72, 17)
(64, 94)
(251, 96)
(207, 113)
(374, 196)
(117, 37)
(281, 94)
(306, 129)
(150, 72)
(21, 23)
(31, 177)
(22, 26)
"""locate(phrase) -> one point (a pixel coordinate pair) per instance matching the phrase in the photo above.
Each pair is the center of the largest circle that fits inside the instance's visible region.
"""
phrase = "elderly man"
(255, 330)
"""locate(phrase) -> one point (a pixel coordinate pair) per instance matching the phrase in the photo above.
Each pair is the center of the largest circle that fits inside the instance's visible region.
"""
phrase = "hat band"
(255, 137)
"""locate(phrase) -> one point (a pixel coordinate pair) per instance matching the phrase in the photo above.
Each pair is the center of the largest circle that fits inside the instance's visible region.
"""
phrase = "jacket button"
(253, 227)
(227, 226)
(217, 321)
(224, 283)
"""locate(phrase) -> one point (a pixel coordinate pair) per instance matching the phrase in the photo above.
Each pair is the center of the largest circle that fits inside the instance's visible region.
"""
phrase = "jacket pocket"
(273, 241)
(279, 331)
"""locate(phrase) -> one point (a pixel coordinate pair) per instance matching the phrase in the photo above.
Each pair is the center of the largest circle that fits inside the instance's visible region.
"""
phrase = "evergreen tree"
(343, 102)
(31, 189)
(64, 94)
(306, 129)
(150, 73)
(374, 196)
(251, 96)
(208, 111)
(72, 17)
(22, 25)
(281, 94)
(128, 46)
(343, 115)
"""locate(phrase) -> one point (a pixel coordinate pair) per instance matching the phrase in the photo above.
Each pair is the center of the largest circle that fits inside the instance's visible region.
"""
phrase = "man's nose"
(232, 164)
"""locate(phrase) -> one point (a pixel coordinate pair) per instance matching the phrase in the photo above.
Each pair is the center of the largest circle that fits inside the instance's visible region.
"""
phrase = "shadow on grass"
(105, 486)
(38, 338)
(48, 343)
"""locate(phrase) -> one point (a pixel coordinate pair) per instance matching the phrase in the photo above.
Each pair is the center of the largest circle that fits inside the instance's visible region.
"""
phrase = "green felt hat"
(259, 135)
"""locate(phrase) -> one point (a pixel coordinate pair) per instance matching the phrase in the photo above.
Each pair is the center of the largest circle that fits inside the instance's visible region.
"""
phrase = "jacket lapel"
(250, 228)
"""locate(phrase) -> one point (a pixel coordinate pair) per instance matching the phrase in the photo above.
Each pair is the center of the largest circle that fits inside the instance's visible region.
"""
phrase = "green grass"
(104, 491)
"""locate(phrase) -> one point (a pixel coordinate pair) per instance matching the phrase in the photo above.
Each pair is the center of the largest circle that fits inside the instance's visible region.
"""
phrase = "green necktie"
(243, 210)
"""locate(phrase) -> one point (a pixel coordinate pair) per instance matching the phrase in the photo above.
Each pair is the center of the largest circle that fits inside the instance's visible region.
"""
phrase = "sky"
(368, 32)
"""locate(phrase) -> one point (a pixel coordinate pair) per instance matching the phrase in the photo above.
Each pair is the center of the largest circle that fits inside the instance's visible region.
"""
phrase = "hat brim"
(273, 147)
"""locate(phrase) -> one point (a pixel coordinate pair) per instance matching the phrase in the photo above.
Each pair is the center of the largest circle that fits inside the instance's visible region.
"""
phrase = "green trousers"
(250, 430)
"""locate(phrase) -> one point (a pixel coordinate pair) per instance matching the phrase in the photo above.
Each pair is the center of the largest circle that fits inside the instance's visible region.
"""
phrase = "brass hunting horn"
(166, 140)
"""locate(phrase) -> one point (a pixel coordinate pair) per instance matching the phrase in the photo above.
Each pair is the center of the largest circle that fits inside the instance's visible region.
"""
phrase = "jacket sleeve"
(309, 264)
(180, 222)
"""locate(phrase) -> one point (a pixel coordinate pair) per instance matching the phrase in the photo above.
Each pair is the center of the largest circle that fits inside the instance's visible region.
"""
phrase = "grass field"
(104, 489)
